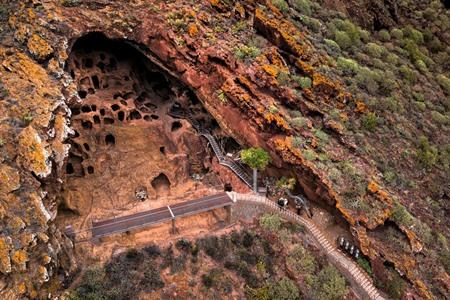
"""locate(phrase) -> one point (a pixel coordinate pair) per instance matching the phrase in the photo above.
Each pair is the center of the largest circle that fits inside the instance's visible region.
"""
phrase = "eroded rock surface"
(124, 136)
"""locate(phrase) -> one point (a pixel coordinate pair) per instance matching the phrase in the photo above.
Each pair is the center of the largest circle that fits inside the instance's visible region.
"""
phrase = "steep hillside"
(352, 98)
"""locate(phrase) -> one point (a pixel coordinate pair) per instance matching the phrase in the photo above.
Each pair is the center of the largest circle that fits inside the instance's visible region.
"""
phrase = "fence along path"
(351, 270)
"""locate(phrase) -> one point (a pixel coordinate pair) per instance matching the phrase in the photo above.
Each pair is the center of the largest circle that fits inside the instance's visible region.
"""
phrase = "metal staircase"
(238, 170)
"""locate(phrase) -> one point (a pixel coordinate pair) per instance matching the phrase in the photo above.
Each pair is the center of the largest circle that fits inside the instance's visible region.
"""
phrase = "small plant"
(304, 82)
(238, 27)
(332, 47)
(299, 122)
(302, 6)
(347, 66)
(298, 142)
(401, 216)
(273, 109)
(27, 117)
(342, 39)
(370, 121)
(283, 78)
(2, 142)
(281, 5)
(426, 153)
(284, 289)
(221, 96)
(271, 222)
(397, 33)
(329, 284)
(309, 154)
(246, 51)
(444, 82)
(384, 35)
(375, 50)
(365, 264)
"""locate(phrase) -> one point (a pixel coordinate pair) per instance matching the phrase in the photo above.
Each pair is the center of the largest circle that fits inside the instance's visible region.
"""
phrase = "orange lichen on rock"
(281, 33)
(20, 258)
(361, 107)
(32, 154)
(39, 48)
(9, 178)
(5, 259)
(373, 187)
(278, 120)
(423, 290)
(193, 30)
(276, 59)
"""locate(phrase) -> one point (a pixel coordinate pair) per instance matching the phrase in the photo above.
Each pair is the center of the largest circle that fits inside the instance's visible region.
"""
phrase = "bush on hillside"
(271, 222)
(284, 289)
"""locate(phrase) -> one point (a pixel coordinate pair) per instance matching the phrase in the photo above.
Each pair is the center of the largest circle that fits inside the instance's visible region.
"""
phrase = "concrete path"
(348, 267)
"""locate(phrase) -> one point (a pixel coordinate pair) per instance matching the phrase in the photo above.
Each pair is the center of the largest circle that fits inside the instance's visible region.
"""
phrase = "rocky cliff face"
(263, 77)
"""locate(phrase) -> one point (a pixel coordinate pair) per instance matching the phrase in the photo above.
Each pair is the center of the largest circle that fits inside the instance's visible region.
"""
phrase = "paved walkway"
(349, 268)
(159, 215)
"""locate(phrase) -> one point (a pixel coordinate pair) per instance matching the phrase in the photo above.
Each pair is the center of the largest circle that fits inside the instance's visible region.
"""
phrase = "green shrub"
(304, 82)
(392, 59)
(303, 6)
(347, 66)
(312, 23)
(284, 289)
(397, 33)
(273, 109)
(426, 154)
(212, 278)
(384, 35)
(421, 66)
(301, 261)
(271, 222)
(309, 154)
(413, 34)
(401, 216)
(413, 50)
(407, 74)
(322, 136)
(365, 264)
(332, 47)
(396, 286)
(299, 122)
(298, 142)
(365, 35)
(246, 51)
(368, 80)
(239, 27)
(283, 78)
(374, 50)
(370, 121)
(445, 259)
(444, 82)
(342, 39)
(329, 285)
(221, 96)
(281, 5)
(440, 118)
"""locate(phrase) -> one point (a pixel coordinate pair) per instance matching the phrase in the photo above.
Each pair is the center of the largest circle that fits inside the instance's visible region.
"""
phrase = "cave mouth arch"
(124, 114)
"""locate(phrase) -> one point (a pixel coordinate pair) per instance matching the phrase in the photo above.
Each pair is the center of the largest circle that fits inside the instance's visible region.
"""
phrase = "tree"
(257, 159)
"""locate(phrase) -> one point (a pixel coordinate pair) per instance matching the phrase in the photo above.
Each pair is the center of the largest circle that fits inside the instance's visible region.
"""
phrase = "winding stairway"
(349, 268)
(238, 170)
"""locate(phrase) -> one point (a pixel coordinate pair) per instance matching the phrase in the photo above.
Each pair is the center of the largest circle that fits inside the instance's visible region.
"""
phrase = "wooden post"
(228, 208)
(174, 228)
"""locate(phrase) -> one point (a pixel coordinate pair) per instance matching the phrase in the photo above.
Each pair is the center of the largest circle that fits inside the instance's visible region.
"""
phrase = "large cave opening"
(136, 127)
